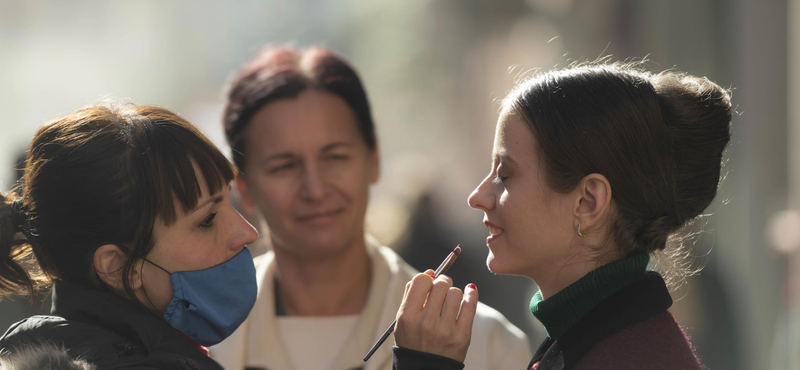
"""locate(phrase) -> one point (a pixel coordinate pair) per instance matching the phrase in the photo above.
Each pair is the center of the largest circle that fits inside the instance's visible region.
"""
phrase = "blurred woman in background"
(301, 130)
(595, 169)
(126, 210)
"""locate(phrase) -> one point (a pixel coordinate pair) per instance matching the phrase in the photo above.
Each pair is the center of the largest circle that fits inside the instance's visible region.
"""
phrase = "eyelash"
(288, 166)
(283, 167)
(207, 222)
(498, 177)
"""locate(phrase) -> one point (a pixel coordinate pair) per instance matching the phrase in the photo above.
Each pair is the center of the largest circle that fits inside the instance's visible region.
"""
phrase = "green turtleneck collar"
(559, 312)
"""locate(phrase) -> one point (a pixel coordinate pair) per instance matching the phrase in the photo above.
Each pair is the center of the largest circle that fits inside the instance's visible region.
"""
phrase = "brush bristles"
(457, 251)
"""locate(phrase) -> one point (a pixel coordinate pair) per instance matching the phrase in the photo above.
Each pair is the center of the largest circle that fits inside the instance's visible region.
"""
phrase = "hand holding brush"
(434, 317)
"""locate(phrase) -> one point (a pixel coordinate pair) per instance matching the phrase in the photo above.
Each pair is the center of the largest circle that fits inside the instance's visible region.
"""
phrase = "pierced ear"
(247, 201)
(594, 200)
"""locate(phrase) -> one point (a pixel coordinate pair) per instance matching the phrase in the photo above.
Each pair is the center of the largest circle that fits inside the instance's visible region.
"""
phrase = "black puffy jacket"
(107, 331)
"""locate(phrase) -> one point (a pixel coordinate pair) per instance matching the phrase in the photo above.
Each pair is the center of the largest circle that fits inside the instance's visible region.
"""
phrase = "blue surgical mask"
(208, 305)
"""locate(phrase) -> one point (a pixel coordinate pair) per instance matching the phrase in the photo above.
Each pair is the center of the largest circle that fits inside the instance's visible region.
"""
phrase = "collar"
(389, 276)
(632, 304)
(122, 316)
(203, 349)
(561, 311)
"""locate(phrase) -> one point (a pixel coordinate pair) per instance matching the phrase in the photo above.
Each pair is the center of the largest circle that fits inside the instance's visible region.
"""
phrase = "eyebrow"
(215, 199)
(289, 155)
(506, 158)
(332, 146)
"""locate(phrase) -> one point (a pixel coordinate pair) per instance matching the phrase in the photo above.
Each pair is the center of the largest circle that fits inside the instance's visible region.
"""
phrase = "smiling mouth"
(320, 218)
(495, 231)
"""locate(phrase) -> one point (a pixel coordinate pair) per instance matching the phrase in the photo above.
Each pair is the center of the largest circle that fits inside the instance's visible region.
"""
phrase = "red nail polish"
(472, 286)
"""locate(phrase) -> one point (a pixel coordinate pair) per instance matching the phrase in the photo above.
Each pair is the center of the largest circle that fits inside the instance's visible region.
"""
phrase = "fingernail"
(430, 272)
(472, 286)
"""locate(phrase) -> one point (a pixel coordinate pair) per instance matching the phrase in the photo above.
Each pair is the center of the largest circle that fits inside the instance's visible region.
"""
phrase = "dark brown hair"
(281, 73)
(101, 175)
(657, 138)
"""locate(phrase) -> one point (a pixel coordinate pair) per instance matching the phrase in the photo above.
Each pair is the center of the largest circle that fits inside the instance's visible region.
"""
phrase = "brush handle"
(385, 335)
(443, 267)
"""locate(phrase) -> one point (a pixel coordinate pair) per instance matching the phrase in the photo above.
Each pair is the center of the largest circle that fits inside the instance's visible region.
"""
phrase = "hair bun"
(698, 114)
(653, 235)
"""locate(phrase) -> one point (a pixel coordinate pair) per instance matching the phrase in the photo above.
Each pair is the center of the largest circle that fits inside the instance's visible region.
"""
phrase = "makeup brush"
(439, 270)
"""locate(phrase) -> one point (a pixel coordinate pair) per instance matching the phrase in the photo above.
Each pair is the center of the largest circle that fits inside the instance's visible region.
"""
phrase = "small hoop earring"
(579, 231)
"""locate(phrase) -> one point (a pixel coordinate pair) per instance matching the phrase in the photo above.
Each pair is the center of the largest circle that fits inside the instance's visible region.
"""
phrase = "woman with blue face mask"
(125, 211)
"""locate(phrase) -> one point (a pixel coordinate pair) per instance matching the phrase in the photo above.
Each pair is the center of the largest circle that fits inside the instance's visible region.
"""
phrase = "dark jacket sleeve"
(409, 359)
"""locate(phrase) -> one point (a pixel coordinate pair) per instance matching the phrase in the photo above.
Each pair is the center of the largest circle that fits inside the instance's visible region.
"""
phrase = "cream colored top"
(496, 343)
(307, 340)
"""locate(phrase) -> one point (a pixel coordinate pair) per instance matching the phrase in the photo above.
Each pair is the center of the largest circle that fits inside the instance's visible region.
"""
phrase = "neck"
(559, 275)
(561, 311)
(332, 286)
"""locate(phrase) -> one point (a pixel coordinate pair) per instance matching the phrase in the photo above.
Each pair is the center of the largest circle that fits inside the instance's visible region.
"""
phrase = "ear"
(247, 201)
(593, 202)
(375, 164)
(109, 262)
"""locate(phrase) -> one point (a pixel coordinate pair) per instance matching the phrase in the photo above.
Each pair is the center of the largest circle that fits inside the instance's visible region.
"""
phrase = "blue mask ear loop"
(154, 264)
(185, 303)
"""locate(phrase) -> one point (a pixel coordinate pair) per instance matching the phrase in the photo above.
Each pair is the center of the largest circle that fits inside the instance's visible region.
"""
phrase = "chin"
(499, 266)
(493, 264)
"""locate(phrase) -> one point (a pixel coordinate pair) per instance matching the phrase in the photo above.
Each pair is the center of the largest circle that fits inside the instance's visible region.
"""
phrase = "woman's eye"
(283, 167)
(338, 157)
(501, 178)
(207, 221)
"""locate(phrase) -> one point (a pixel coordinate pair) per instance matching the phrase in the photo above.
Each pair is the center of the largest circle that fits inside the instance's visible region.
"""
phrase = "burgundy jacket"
(631, 329)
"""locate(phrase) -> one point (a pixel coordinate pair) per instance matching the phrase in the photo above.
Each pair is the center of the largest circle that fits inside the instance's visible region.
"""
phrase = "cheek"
(274, 196)
(186, 252)
(352, 181)
(158, 288)
(527, 215)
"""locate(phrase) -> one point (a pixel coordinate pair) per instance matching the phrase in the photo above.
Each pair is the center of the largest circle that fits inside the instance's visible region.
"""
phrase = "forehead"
(513, 138)
(312, 119)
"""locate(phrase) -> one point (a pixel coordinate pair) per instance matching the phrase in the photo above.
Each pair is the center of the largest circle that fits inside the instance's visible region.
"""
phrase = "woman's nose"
(314, 186)
(482, 197)
(245, 234)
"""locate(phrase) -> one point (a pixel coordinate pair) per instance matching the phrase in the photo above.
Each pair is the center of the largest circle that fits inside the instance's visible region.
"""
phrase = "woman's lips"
(320, 218)
(494, 231)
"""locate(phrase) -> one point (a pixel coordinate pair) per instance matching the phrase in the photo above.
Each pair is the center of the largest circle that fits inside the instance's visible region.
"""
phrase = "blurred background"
(434, 70)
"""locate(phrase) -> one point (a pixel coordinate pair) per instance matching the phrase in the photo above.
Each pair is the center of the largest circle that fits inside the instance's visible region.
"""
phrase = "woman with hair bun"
(126, 210)
(595, 169)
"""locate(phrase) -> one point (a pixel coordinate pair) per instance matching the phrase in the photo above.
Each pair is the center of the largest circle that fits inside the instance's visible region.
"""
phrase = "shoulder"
(392, 261)
(657, 343)
(53, 328)
(496, 343)
(50, 338)
(487, 319)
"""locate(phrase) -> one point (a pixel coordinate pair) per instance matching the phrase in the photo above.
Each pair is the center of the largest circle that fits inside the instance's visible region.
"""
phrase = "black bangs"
(176, 151)
(172, 149)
